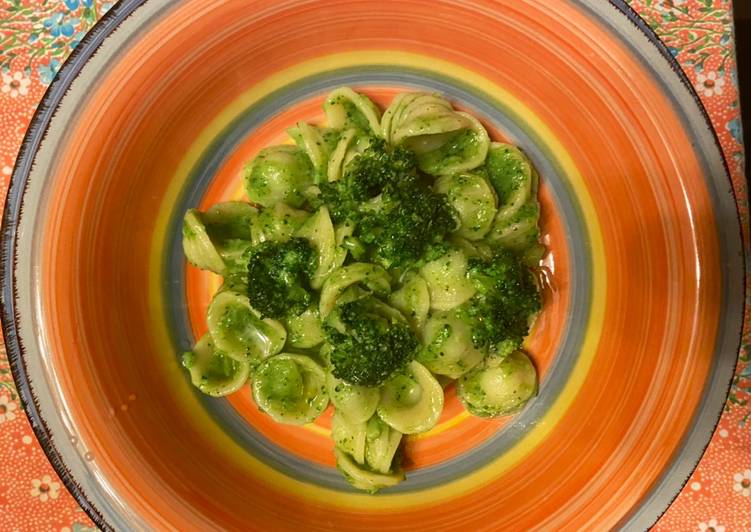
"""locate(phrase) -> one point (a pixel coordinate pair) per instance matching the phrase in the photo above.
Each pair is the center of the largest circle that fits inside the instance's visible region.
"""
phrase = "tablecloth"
(37, 35)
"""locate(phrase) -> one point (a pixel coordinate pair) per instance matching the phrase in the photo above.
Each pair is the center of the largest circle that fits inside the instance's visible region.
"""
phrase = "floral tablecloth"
(37, 35)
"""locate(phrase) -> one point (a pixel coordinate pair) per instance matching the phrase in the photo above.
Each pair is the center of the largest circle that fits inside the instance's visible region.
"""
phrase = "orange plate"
(157, 112)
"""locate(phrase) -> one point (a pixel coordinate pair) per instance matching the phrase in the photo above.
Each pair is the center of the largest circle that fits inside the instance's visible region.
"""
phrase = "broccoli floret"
(408, 229)
(279, 277)
(368, 347)
(378, 170)
(395, 213)
(507, 296)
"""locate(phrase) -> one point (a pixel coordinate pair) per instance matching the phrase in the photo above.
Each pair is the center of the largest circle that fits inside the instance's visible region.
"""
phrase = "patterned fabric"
(37, 35)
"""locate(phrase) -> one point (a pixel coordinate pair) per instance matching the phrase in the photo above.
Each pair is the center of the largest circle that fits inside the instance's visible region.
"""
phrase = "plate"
(158, 109)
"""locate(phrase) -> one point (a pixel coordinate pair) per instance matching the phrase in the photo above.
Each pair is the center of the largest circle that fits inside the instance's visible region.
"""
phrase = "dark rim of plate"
(17, 187)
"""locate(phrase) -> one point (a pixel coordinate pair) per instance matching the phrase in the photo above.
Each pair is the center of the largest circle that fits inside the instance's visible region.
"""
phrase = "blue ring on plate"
(489, 110)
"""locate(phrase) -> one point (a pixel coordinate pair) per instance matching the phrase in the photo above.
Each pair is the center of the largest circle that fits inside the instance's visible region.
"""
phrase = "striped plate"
(158, 109)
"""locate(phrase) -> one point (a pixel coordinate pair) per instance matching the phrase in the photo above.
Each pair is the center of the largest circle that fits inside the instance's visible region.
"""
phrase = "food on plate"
(378, 257)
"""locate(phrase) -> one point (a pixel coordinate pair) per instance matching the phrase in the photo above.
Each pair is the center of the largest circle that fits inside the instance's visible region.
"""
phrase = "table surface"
(37, 35)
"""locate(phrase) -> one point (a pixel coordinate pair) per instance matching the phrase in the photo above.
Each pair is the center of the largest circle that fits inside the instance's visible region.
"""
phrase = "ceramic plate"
(157, 111)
